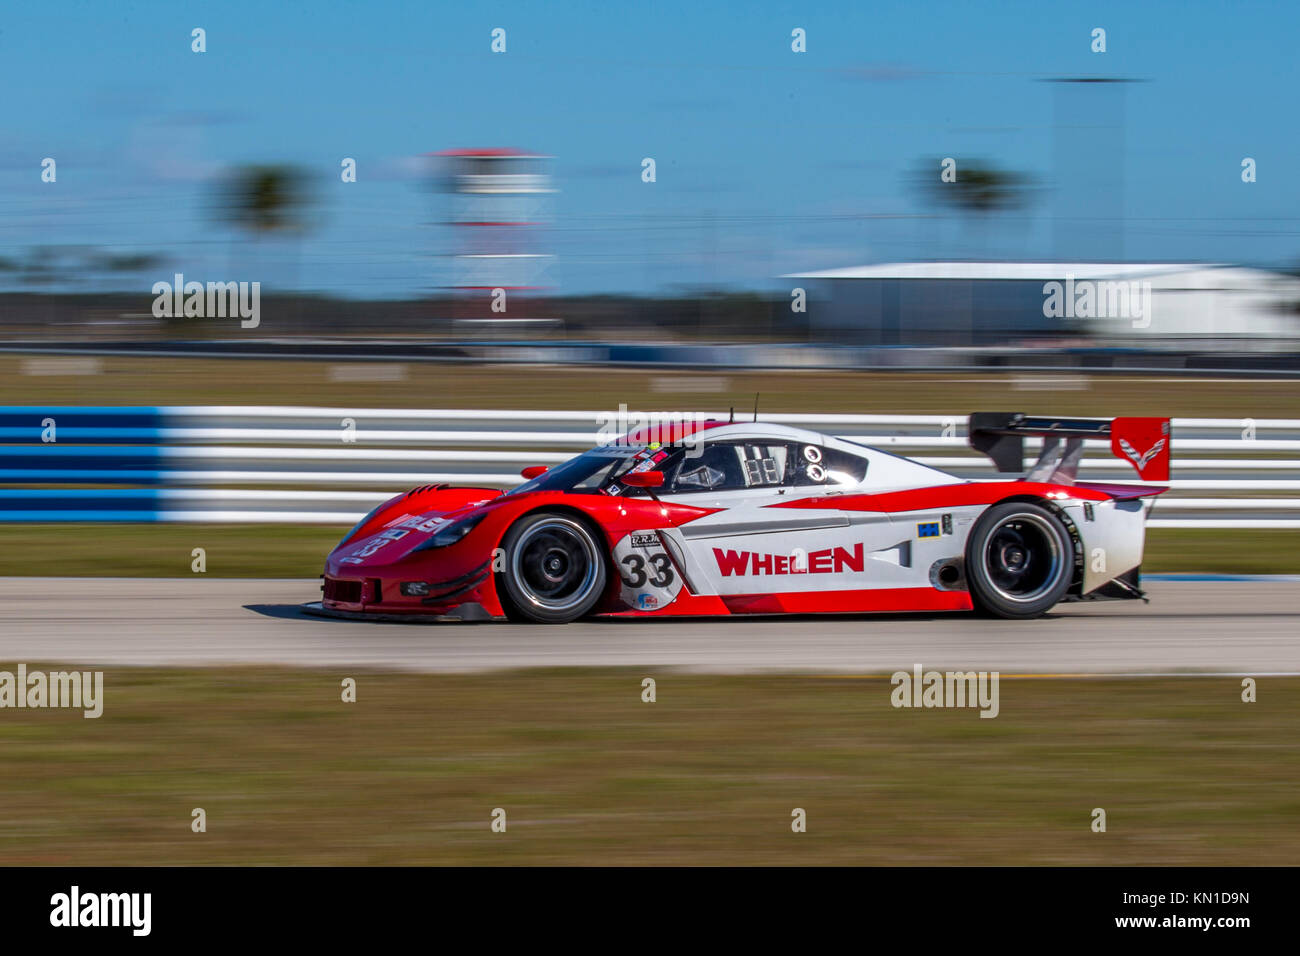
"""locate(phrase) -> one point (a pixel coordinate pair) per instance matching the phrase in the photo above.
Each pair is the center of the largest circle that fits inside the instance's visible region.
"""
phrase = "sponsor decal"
(826, 561)
(421, 523)
(646, 602)
(928, 529)
(645, 540)
(377, 542)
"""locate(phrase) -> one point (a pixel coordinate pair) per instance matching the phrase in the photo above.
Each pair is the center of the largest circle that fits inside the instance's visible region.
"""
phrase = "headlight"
(450, 534)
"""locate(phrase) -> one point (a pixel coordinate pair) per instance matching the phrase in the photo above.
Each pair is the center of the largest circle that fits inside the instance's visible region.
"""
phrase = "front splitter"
(463, 614)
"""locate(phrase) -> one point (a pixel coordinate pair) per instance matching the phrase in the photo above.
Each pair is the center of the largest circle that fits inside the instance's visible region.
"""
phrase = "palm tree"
(266, 200)
(980, 190)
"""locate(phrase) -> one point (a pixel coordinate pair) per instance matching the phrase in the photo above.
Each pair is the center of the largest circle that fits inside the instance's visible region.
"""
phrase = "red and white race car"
(722, 518)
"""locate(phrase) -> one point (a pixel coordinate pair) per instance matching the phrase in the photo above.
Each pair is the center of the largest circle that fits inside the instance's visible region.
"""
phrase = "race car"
(717, 518)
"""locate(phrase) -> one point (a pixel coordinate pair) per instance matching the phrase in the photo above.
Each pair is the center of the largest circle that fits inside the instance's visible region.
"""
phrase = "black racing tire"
(1019, 561)
(555, 569)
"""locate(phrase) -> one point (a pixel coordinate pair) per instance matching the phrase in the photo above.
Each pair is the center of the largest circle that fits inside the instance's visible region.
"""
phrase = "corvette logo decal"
(1141, 460)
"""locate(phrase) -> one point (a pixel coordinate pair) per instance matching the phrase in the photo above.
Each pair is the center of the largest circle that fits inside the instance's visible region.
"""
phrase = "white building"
(1171, 305)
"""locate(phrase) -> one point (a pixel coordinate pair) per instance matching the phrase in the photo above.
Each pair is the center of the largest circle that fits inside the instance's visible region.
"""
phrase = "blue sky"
(768, 161)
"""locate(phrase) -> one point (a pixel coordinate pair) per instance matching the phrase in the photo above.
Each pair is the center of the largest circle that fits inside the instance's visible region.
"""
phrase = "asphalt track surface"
(1213, 627)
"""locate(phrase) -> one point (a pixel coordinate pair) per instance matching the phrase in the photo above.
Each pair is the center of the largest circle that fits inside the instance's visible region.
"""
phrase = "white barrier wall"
(330, 465)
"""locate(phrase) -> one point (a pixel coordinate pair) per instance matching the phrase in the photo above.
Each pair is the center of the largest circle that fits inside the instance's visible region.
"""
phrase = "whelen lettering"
(829, 561)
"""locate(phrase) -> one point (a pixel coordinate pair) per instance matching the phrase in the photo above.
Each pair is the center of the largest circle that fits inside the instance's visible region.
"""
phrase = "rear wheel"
(1019, 560)
(554, 569)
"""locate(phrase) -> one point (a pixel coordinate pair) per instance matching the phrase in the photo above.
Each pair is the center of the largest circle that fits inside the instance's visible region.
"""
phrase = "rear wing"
(1142, 442)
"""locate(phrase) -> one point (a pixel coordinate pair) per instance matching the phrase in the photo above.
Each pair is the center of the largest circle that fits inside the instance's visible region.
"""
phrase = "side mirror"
(644, 479)
(532, 471)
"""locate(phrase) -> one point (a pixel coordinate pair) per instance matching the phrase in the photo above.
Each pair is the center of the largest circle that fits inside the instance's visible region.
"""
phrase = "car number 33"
(634, 570)
(648, 577)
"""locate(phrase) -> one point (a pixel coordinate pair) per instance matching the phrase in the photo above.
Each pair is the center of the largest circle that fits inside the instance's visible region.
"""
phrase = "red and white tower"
(498, 208)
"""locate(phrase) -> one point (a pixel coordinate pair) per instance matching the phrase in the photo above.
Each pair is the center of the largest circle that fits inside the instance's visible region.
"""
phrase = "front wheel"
(1019, 560)
(554, 569)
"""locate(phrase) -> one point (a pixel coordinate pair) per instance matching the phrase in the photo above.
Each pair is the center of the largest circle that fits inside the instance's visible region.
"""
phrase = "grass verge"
(589, 774)
(194, 381)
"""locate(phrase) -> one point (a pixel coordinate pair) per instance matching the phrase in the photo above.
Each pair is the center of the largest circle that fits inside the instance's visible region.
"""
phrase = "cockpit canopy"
(713, 465)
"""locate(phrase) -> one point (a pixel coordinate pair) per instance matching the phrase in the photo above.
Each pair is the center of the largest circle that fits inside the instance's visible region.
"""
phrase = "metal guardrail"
(288, 464)
(1218, 358)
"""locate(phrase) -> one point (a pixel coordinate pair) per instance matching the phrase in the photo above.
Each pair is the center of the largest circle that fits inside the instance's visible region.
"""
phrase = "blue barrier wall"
(92, 445)
(23, 424)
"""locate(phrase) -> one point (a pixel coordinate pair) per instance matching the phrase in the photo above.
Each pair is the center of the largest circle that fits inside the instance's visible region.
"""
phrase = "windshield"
(591, 471)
